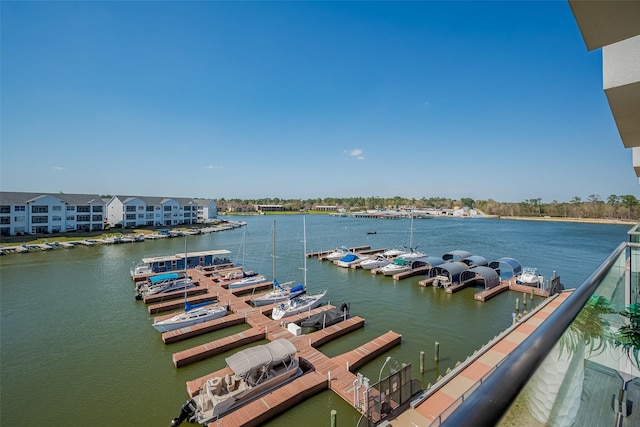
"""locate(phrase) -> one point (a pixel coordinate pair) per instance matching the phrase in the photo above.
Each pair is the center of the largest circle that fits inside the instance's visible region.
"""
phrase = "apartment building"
(44, 213)
(136, 211)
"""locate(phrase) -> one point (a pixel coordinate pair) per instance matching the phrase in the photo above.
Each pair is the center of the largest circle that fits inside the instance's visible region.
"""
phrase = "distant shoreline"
(581, 220)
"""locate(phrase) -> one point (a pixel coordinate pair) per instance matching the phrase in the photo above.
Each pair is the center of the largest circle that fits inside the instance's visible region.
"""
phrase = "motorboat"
(192, 315)
(327, 317)
(403, 263)
(378, 261)
(530, 277)
(338, 254)
(349, 260)
(297, 305)
(395, 252)
(163, 283)
(279, 293)
(255, 371)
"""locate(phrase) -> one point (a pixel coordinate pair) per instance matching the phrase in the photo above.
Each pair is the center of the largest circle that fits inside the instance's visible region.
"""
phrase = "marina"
(141, 355)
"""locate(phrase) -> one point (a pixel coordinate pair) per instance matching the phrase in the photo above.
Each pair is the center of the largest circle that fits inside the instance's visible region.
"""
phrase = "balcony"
(580, 367)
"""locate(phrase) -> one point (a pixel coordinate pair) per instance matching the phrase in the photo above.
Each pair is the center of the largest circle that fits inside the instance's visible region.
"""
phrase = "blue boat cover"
(161, 277)
(297, 288)
(188, 306)
(349, 258)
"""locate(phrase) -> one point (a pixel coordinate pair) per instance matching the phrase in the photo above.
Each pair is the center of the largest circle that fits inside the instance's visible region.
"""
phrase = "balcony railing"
(613, 288)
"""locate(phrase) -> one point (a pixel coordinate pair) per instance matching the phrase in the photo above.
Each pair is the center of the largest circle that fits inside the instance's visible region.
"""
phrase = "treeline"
(625, 207)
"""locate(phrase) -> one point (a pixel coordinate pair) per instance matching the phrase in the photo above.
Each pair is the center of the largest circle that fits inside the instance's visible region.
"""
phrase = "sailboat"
(407, 261)
(248, 278)
(192, 314)
(279, 292)
(303, 302)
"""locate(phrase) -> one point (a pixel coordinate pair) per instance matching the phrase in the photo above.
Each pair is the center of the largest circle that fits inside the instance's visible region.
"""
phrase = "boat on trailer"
(256, 371)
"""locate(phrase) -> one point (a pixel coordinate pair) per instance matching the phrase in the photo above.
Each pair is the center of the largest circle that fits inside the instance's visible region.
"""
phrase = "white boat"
(530, 277)
(247, 281)
(279, 292)
(163, 283)
(349, 260)
(256, 371)
(192, 315)
(302, 302)
(377, 261)
(403, 263)
(395, 252)
(297, 305)
(338, 254)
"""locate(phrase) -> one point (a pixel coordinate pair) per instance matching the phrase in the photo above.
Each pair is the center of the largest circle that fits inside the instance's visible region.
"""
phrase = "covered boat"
(256, 371)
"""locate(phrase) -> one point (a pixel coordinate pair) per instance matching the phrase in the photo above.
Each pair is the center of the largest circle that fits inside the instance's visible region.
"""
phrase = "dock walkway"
(326, 373)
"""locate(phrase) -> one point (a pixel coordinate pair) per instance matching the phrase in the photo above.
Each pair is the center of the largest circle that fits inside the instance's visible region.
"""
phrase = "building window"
(84, 218)
(56, 218)
(55, 229)
(167, 208)
(130, 209)
(56, 208)
(20, 208)
(5, 220)
(97, 217)
(71, 217)
(96, 208)
(130, 216)
(84, 209)
(140, 216)
(18, 219)
(40, 219)
(149, 208)
(39, 209)
(5, 209)
(71, 208)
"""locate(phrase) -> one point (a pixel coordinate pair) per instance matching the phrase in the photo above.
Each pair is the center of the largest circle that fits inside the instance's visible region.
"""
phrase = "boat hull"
(172, 325)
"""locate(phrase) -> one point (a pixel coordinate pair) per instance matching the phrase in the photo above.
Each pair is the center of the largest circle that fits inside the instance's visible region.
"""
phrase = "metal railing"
(492, 399)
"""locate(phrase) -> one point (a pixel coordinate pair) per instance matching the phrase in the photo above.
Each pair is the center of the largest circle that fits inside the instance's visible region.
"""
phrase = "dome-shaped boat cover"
(250, 359)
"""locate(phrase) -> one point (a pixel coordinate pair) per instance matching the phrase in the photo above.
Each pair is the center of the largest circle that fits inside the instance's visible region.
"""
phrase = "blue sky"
(284, 99)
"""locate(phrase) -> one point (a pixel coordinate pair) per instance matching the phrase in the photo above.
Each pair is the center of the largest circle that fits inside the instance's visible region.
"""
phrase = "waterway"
(78, 349)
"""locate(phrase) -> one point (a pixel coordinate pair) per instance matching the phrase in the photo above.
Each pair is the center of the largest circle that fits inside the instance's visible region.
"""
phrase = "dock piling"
(437, 353)
(334, 418)
(517, 304)
(422, 362)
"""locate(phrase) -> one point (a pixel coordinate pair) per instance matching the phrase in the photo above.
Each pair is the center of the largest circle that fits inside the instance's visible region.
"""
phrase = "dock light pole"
(383, 365)
(381, 393)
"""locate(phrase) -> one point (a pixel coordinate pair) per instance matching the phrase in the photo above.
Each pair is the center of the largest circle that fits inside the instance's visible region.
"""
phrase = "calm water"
(77, 349)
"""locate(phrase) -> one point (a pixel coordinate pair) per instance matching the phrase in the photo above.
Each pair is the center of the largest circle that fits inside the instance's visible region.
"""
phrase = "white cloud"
(58, 168)
(357, 153)
(213, 167)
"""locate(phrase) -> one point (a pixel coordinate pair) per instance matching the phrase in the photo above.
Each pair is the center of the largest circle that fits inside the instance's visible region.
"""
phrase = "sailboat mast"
(304, 245)
(274, 249)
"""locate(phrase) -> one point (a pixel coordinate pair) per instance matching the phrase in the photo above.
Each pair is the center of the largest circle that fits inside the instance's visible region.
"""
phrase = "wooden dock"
(324, 373)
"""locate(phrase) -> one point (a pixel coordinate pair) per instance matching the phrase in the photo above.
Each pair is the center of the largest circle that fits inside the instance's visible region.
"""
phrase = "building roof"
(20, 198)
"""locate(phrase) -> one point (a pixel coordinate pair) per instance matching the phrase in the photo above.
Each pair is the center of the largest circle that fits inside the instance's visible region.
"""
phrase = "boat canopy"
(460, 255)
(450, 269)
(349, 258)
(248, 360)
(474, 260)
(162, 277)
(297, 288)
(433, 261)
(513, 263)
(488, 274)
